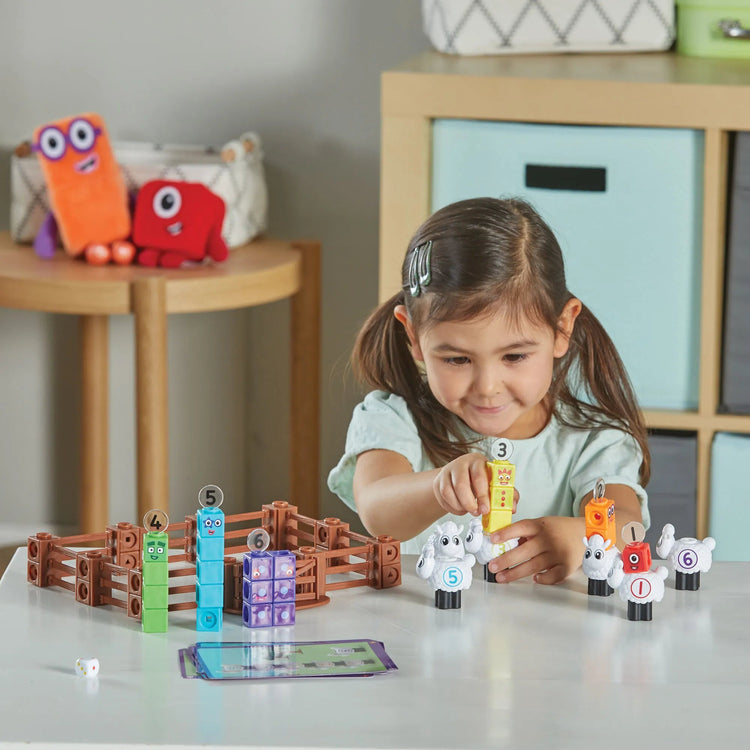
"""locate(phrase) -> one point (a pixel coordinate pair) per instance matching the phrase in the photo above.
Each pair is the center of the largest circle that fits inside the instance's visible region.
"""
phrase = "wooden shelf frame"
(635, 90)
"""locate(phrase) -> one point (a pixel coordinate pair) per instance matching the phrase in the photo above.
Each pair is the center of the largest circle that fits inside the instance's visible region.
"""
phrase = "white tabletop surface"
(520, 665)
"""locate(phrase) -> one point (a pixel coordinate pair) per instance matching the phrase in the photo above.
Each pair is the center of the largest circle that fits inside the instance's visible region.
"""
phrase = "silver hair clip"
(420, 271)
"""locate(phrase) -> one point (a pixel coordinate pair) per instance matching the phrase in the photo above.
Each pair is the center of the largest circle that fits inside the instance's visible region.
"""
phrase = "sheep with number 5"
(447, 566)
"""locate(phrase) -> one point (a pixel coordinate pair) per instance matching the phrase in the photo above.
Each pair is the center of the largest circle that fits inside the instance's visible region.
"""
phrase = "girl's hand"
(550, 549)
(463, 486)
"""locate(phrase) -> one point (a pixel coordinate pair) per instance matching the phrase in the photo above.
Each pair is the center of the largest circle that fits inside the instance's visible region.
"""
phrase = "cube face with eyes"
(636, 557)
(155, 547)
(210, 523)
(210, 534)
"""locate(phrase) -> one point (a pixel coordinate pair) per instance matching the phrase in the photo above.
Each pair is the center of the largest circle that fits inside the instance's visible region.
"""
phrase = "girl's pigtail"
(381, 357)
(607, 390)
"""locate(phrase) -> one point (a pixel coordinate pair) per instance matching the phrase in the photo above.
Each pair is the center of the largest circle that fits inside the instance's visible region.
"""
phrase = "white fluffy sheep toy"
(445, 563)
(689, 557)
(598, 562)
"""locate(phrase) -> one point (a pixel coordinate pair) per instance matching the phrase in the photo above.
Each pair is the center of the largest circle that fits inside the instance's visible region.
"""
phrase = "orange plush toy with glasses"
(87, 192)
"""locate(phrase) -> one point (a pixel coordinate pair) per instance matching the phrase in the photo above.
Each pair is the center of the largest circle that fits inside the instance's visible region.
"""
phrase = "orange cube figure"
(502, 483)
(600, 519)
(86, 189)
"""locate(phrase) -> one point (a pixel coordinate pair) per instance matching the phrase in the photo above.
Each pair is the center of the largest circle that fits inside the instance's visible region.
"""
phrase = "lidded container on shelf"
(713, 28)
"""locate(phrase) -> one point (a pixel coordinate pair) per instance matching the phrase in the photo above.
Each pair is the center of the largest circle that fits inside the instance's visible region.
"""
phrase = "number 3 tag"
(501, 449)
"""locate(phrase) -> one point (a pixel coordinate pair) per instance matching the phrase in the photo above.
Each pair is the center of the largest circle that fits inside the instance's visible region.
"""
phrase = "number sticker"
(633, 532)
(599, 489)
(258, 540)
(687, 559)
(640, 588)
(155, 520)
(210, 496)
(452, 577)
(501, 449)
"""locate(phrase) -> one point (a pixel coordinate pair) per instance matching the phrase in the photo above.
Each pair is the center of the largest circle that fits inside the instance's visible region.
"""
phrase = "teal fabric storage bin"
(626, 206)
(729, 517)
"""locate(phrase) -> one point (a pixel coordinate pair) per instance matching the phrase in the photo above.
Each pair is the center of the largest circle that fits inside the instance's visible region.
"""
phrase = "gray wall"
(304, 74)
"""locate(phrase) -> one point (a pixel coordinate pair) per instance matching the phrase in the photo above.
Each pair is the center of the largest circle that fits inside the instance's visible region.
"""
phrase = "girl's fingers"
(480, 486)
(445, 492)
(528, 568)
(554, 575)
(463, 491)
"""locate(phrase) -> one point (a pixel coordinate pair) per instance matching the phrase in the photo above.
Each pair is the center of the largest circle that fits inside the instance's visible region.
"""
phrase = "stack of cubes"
(268, 588)
(209, 569)
(155, 589)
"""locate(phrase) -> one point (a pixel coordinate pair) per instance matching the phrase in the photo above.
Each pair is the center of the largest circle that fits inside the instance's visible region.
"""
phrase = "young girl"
(484, 340)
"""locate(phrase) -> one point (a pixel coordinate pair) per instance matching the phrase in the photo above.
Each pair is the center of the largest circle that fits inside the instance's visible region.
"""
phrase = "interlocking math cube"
(268, 588)
(209, 569)
(155, 591)
(600, 519)
(502, 483)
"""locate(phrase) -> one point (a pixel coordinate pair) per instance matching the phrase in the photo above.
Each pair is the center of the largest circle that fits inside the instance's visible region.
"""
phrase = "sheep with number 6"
(688, 556)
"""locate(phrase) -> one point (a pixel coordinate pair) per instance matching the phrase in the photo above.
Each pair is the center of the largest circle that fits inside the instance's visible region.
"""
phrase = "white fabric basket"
(491, 27)
(238, 178)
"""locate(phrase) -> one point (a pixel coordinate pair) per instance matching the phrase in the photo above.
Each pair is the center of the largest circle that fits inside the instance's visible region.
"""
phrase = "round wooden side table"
(263, 271)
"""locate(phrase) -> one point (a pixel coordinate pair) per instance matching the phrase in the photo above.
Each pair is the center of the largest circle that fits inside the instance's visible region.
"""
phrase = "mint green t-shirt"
(554, 469)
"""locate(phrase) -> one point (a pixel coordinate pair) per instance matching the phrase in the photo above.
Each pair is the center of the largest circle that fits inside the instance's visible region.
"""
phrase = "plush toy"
(86, 190)
(176, 222)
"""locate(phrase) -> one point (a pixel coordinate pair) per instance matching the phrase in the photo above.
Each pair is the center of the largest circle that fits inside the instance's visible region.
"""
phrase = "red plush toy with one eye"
(176, 222)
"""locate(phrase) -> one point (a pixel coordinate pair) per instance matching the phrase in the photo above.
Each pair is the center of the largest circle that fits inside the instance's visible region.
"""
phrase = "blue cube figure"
(209, 595)
(209, 619)
(209, 566)
(210, 532)
(210, 571)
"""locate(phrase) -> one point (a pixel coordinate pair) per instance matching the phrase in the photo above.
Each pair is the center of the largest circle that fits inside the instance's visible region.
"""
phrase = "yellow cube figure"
(502, 482)
(600, 519)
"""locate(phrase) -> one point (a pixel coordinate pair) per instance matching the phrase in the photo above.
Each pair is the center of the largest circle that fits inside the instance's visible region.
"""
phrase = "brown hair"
(486, 252)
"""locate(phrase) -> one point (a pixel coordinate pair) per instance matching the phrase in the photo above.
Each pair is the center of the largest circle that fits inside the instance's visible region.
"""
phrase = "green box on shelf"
(707, 28)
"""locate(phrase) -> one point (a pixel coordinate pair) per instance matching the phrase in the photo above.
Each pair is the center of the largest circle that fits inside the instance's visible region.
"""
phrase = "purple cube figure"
(283, 614)
(261, 592)
(258, 566)
(285, 564)
(283, 590)
(257, 615)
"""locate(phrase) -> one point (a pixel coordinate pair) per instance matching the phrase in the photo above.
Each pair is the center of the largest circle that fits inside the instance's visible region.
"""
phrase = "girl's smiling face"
(491, 373)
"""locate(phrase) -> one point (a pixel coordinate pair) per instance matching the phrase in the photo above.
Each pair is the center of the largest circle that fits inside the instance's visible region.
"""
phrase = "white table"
(521, 666)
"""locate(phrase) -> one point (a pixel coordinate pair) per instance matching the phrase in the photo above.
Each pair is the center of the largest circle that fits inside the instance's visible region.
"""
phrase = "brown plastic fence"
(108, 571)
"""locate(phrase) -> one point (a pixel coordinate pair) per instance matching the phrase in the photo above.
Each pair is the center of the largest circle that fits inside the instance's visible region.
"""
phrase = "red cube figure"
(176, 222)
(636, 558)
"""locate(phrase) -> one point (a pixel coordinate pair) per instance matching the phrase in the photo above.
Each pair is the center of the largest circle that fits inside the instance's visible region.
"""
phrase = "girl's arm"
(551, 547)
(392, 499)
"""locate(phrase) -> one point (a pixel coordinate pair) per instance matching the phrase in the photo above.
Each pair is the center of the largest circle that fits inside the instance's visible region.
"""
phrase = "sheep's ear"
(585, 541)
(607, 544)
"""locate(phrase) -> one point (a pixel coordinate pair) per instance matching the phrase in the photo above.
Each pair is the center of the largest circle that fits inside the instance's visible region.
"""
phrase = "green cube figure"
(155, 576)
(154, 620)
